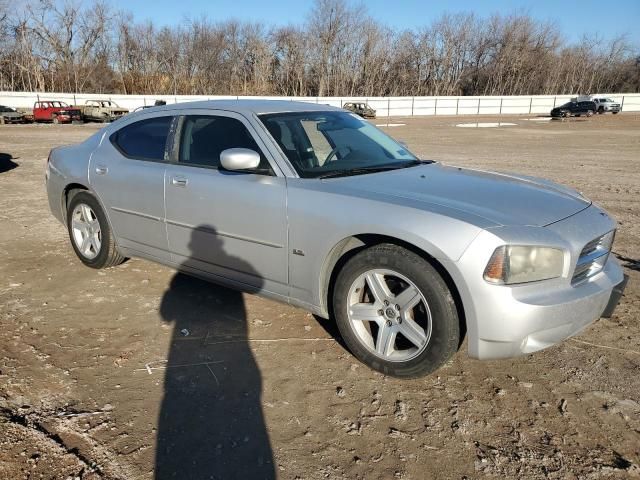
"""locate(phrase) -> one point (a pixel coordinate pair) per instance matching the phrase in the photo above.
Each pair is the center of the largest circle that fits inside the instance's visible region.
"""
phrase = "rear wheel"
(55, 120)
(90, 234)
(395, 312)
(601, 109)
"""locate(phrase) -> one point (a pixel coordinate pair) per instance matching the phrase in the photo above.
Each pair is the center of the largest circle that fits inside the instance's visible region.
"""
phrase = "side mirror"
(239, 159)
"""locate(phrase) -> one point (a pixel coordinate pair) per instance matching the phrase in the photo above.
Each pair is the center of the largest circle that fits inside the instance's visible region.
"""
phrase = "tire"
(615, 113)
(86, 218)
(55, 120)
(589, 113)
(430, 318)
(601, 110)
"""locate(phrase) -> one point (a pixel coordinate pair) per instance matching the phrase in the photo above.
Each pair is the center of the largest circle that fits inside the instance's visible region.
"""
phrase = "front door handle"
(179, 181)
(100, 170)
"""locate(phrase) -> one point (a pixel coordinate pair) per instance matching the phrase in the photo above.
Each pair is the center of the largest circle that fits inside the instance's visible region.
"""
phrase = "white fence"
(385, 106)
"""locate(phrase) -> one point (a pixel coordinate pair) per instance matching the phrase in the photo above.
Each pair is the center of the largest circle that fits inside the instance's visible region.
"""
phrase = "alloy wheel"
(389, 315)
(86, 232)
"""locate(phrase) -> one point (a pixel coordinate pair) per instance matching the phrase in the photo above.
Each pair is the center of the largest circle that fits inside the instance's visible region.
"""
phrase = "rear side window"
(145, 140)
(205, 137)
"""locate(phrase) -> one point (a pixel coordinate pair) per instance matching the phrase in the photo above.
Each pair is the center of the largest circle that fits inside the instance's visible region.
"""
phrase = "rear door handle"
(100, 170)
(179, 181)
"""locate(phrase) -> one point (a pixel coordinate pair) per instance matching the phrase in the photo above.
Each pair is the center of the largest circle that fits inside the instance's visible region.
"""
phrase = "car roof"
(247, 106)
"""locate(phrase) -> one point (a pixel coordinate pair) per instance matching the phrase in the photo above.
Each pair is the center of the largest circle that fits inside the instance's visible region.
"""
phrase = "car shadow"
(570, 119)
(211, 423)
(629, 263)
(330, 327)
(6, 162)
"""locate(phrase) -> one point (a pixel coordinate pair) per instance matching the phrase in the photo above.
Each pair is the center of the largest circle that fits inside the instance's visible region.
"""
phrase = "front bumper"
(512, 320)
(538, 323)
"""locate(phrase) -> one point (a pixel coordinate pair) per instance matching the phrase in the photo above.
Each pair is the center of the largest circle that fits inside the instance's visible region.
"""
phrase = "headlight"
(520, 264)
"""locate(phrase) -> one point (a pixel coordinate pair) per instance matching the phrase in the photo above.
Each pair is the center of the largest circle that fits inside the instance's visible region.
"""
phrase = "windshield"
(321, 143)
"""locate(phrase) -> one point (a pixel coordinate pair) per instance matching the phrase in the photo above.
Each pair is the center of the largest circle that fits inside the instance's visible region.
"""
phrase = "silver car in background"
(313, 206)
(606, 104)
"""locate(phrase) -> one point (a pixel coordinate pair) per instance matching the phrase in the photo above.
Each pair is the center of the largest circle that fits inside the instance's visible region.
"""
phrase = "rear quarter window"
(145, 139)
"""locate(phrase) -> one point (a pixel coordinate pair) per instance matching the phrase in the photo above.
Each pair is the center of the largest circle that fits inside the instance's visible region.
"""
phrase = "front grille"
(593, 257)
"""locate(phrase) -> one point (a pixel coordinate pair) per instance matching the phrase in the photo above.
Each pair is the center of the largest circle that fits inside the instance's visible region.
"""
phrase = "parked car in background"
(606, 104)
(102, 111)
(56, 112)
(10, 115)
(359, 108)
(575, 109)
(313, 206)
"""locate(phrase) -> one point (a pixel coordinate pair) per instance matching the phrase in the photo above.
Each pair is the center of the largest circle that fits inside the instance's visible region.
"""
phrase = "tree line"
(337, 50)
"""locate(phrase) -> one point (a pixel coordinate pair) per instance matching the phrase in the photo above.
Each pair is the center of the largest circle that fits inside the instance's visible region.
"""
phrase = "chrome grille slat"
(591, 246)
(593, 257)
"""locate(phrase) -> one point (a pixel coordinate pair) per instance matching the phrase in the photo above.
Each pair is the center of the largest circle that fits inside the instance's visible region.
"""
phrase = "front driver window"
(319, 142)
(205, 137)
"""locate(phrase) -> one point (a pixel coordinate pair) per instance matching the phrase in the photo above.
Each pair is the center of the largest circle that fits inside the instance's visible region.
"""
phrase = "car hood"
(502, 199)
(11, 114)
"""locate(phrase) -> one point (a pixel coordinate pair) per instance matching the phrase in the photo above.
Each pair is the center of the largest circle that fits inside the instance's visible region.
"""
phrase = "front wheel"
(395, 312)
(589, 113)
(89, 232)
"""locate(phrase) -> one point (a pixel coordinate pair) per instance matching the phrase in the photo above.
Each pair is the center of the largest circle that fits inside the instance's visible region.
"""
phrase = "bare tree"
(84, 46)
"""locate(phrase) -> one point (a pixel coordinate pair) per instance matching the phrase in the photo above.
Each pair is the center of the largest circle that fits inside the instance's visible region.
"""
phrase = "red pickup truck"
(55, 111)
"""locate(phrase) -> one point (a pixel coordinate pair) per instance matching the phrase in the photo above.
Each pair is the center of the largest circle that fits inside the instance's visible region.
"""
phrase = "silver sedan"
(313, 206)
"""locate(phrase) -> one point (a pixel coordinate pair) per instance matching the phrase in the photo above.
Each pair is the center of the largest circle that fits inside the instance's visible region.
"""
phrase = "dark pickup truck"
(574, 109)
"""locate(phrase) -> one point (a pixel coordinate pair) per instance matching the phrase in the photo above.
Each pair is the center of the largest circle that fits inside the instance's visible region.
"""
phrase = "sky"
(573, 17)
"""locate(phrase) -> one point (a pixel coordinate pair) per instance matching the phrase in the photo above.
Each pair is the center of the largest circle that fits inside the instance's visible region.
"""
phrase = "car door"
(127, 173)
(47, 111)
(90, 109)
(229, 225)
(41, 111)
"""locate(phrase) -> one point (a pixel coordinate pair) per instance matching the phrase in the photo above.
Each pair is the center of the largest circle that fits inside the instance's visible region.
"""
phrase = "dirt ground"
(136, 373)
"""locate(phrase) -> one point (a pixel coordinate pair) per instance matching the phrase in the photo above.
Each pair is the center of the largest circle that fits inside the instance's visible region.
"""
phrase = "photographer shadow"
(211, 424)
(6, 162)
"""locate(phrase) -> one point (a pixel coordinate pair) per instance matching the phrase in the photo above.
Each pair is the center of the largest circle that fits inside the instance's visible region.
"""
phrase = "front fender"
(320, 222)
